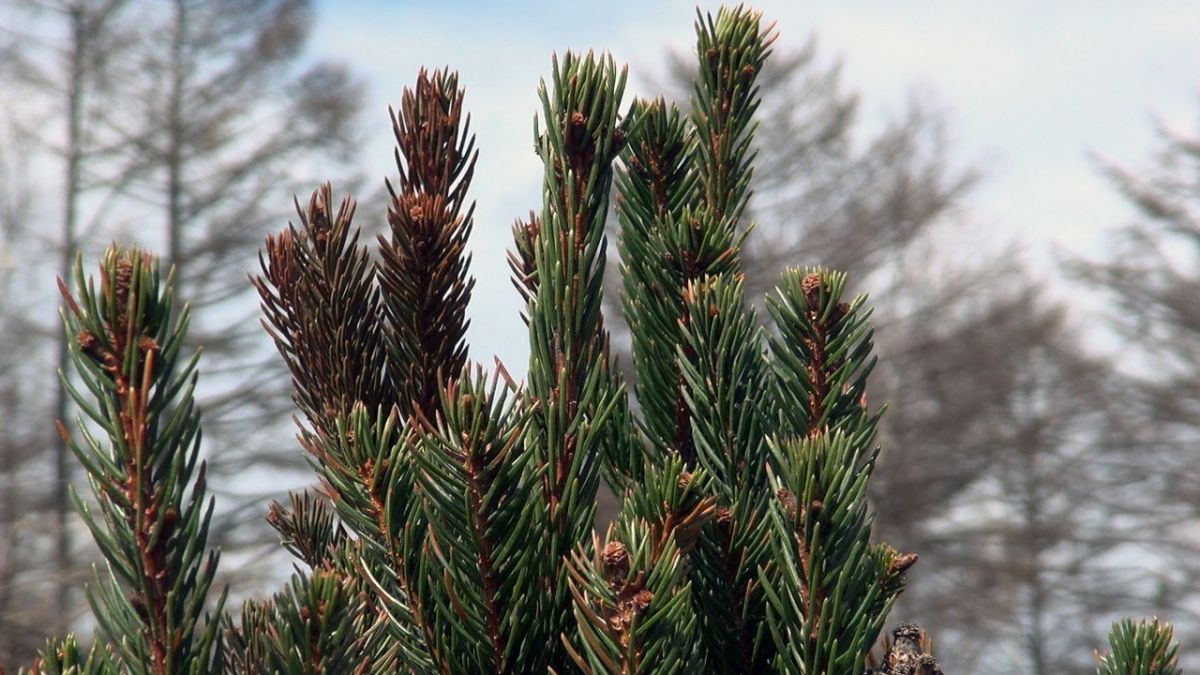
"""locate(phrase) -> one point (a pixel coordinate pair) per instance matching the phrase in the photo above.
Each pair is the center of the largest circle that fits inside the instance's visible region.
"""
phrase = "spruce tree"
(453, 529)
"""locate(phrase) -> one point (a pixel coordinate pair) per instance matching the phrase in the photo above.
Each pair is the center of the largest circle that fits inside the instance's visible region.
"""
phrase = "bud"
(811, 285)
(789, 502)
(616, 561)
(641, 601)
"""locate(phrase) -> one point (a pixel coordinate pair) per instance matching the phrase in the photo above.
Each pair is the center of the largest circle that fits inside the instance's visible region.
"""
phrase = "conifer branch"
(582, 412)
(423, 265)
(698, 350)
(683, 190)
(633, 599)
(66, 658)
(308, 529)
(522, 260)
(368, 460)
(726, 390)
(1143, 647)
(725, 380)
(829, 588)
(368, 467)
(484, 526)
(313, 627)
(661, 252)
(822, 354)
(149, 483)
(732, 49)
(633, 605)
(725, 387)
(321, 309)
(350, 367)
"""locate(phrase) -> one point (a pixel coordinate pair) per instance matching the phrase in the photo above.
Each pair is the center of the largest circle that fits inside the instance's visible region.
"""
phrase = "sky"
(1034, 93)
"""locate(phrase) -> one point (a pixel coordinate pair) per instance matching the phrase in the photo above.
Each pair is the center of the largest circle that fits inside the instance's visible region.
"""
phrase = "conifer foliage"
(151, 599)
(454, 527)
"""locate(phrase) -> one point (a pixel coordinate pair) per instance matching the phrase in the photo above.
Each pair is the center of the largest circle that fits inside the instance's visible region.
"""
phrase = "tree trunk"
(71, 190)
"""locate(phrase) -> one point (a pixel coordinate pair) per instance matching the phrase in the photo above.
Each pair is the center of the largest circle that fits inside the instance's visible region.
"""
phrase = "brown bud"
(908, 632)
(366, 470)
(618, 139)
(724, 517)
(616, 561)
(685, 479)
(927, 665)
(840, 312)
(903, 562)
(789, 502)
(90, 345)
(811, 285)
(533, 225)
(124, 279)
(641, 601)
(139, 606)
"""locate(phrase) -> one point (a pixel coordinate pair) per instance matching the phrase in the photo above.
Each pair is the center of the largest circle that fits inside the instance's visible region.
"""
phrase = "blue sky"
(1031, 89)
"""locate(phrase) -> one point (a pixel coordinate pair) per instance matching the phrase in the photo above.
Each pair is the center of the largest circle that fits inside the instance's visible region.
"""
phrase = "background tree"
(58, 59)
(26, 589)
(1151, 285)
(185, 126)
(1021, 526)
(219, 118)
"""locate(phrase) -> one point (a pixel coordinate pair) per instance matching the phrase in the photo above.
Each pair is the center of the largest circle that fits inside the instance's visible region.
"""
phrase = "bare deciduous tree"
(26, 589)
(222, 121)
(1151, 283)
(186, 126)
(997, 453)
(58, 55)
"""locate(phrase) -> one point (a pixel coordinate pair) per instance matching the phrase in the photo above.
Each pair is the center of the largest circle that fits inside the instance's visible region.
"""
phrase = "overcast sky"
(1031, 90)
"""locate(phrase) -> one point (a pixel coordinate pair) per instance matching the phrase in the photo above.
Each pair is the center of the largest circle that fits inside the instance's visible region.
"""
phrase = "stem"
(395, 549)
(731, 558)
(477, 488)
